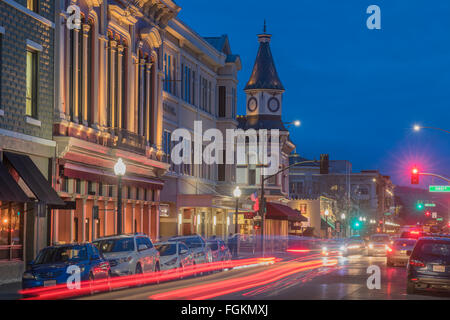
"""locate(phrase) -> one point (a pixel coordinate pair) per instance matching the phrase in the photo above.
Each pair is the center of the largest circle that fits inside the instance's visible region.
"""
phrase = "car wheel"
(411, 288)
(91, 283)
(138, 273)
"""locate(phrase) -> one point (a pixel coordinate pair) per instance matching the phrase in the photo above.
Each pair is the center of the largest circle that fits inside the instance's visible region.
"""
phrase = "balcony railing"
(129, 141)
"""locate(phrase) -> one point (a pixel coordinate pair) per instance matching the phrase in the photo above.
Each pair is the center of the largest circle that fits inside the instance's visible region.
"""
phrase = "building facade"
(366, 194)
(200, 80)
(109, 105)
(27, 30)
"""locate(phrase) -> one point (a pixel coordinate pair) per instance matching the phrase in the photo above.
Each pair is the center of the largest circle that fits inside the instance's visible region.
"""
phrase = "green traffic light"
(419, 206)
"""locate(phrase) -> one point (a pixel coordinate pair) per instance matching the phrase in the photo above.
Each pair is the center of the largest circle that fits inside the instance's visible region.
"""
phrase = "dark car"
(398, 251)
(429, 265)
(219, 250)
(53, 265)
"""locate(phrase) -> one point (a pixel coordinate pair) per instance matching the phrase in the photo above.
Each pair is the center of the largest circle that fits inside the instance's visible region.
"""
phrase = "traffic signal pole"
(262, 201)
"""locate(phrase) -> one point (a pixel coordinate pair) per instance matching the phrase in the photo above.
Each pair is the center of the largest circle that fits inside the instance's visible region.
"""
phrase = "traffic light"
(419, 206)
(324, 163)
(415, 176)
(428, 213)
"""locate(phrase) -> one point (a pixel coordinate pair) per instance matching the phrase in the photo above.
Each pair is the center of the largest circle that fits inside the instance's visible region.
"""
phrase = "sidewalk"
(10, 291)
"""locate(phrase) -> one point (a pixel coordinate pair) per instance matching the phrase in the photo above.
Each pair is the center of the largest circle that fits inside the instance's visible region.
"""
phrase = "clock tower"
(264, 89)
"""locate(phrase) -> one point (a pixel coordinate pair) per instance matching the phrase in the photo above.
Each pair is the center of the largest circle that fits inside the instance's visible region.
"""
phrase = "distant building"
(367, 193)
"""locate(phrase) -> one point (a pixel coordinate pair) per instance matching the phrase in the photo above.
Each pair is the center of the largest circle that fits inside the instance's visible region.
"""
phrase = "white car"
(129, 254)
(198, 246)
(174, 254)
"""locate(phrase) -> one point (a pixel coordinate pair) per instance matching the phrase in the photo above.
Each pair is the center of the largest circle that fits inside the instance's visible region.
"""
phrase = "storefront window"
(11, 230)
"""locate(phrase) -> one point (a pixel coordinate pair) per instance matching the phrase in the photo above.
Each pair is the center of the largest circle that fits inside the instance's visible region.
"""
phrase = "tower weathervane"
(265, 28)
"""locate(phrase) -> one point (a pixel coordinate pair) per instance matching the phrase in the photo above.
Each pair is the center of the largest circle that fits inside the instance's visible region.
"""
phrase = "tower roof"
(264, 75)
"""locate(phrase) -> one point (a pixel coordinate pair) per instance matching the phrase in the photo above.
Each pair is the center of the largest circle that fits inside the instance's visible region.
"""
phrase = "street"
(305, 277)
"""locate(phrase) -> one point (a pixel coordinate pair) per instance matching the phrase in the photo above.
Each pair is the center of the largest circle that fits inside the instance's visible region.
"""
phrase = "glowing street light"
(343, 216)
(119, 169)
(417, 128)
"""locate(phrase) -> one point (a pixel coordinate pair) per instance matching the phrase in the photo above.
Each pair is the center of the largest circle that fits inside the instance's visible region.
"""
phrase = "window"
(252, 177)
(222, 101)
(221, 170)
(32, 81)
(33, 5)
(170, 67)
(233, 103)
(188, 84)
(78, 186)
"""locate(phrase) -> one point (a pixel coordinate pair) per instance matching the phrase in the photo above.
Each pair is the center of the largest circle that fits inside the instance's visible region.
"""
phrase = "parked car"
(129, 254)
(202, 254)
(429, 265)
(51, 266)
(398, 251)
(353, 246)
(378, 245)
(219, 250)
(174, 254)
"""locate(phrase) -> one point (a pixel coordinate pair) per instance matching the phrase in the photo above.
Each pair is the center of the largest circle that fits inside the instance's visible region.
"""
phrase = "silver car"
(174, 254)
(201, 252)
(129, 254)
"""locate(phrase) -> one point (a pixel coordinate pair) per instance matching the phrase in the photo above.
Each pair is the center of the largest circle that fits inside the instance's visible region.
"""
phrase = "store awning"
(72, 170)
(33, 178)
(9, 189)
(278, 211)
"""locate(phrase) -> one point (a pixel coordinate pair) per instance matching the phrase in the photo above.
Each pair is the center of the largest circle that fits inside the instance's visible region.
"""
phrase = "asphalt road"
(297, 277)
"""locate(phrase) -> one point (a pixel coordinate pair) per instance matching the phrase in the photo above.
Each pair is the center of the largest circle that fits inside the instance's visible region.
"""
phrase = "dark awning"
(279, 211)
(9, 189)
(33, 178)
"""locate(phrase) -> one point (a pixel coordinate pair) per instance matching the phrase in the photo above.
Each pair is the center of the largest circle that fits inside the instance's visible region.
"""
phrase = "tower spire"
(265, 27)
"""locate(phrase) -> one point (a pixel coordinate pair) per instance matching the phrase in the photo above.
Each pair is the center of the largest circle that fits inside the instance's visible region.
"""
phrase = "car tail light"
(416, 263)
(388, 249)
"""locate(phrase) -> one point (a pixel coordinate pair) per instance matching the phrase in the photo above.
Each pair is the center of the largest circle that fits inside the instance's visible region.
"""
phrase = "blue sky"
(358, 92)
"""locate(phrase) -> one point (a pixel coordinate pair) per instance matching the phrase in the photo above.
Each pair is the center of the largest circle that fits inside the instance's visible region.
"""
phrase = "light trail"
(224, 287)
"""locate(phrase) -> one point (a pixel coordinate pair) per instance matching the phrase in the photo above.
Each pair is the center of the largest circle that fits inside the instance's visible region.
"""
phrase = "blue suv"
(51, 265)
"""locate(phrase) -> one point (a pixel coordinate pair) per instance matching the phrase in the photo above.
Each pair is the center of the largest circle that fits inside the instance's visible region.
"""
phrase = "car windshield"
(404, 243)
(193, 242)
(429, 250)
(115, 245)
(213, 245)
(379, 239)
(166, 249)
(62, 254)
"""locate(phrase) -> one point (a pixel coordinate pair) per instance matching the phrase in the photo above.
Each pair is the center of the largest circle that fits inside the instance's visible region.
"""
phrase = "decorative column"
(148, 96)
(55, 226)
(83, 222)
(65, 72)
(75, 67)
(95, 117)
(120, 49)
(149, 209)
(112, 88)
(72, 217)
(105, 220)
(84, 74)
(60, 43)
(141, 226)
(157, 215)
(103, 82)
(141, 96)
(133, 217)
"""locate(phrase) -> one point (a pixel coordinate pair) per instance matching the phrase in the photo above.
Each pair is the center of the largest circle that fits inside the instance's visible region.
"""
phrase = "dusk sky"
(358, 92)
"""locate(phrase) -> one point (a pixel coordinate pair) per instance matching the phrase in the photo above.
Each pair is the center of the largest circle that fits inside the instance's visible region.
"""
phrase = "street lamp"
(417, 128)
(344, 227)
(237, 194)
(296, 123)
(326, 219)
(119, 169)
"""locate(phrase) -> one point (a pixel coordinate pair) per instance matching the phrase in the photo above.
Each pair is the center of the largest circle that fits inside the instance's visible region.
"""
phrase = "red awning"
(279, 211)
(92, 174)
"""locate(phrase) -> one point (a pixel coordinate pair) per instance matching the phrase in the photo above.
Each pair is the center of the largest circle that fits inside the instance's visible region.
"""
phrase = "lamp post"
(119, 169)
(237, 194)
(326, 220)
(296, 123)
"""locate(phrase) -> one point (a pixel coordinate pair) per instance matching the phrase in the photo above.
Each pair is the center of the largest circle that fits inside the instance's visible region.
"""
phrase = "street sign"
(430, 205)
(434, 215)
(439, 188)
(440, 219)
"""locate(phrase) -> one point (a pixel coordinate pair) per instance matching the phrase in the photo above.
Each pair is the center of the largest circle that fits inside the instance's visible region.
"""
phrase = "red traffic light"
(415, 176)
(428, 213)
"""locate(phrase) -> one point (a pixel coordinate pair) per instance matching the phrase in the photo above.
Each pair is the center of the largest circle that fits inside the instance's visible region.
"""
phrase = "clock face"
(273, 104)
(252, 104)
